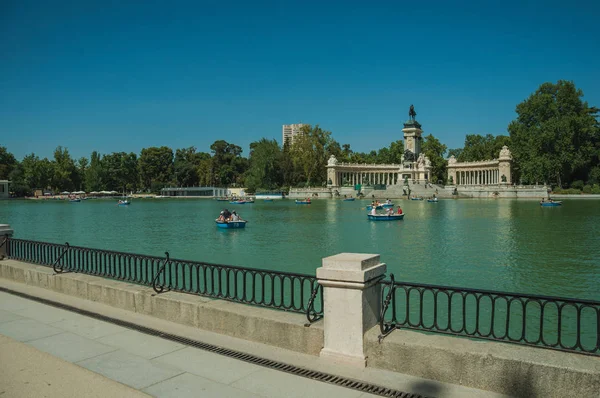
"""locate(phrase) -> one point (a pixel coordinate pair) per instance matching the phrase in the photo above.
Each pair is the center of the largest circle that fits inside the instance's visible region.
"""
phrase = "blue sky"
(124, 75)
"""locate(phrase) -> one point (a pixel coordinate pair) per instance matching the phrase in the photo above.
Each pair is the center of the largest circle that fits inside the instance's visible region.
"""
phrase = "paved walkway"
(132, 363)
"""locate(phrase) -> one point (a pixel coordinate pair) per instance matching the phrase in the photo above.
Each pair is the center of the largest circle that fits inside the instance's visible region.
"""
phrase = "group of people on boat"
(228, 216)
(550, 200)
(388, 212)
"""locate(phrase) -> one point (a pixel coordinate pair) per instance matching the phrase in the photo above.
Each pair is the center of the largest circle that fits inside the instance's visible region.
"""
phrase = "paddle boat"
(349, 199)
(386, 205)
(222, 199)
(269, 195)
(123, 203)
(231, 224)
(550, 203)
(238, 202)
(416, 198)
(74, 200)
(378, 207)
(434, 200)
(303, 202)
(385, 217)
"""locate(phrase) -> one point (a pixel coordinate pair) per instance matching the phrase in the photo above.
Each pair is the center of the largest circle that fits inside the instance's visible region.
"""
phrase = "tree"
(478, 147)
(186, 167)
(65, 172)
(435, 150)
(227, 163)
(93, 174)
(309, 154)
(264, 171)
(156, 167)
(555, 136)
(7, 163)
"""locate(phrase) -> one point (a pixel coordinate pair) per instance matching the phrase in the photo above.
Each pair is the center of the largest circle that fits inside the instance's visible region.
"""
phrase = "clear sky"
(124, 75)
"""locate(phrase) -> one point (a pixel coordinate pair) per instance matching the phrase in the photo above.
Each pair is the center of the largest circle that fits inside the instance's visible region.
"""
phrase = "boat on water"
(386, 205)
(550, 203)
(123, 203)
(416, 198)
(74, 200)
(302, 202)
(237, 202)
(349, 199)
(378, 207)
(222, 200)
(231, 224)
(434, 200)
(385, 217)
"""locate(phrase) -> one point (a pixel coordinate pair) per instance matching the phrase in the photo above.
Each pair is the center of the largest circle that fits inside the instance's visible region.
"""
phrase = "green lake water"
(508, 245)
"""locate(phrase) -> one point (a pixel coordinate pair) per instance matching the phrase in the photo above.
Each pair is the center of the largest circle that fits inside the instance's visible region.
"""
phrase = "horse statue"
(411, 113)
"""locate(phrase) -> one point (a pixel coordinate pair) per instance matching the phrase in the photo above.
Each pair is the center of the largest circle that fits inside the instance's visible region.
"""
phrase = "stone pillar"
(5, 232)
(352, 303)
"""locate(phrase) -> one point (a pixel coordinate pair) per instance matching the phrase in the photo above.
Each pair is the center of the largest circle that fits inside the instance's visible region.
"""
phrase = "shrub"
(577, 184)
(587, 189)
(596, 189)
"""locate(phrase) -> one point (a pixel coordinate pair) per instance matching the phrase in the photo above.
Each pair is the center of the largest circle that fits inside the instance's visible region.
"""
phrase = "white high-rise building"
(290, 131)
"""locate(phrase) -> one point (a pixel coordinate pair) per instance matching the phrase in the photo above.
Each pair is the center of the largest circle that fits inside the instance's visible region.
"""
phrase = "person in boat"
(389, 202)
(225, 215)
(235, 216)
(399, 210)
(543, 200)
(373, 211)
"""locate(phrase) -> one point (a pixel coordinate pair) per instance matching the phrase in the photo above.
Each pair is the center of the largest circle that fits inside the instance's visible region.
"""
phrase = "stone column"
(352, 303)
(5, 232)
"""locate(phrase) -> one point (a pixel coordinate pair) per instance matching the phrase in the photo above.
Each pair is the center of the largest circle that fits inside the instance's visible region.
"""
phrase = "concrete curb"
(276, 328)
(504, 368)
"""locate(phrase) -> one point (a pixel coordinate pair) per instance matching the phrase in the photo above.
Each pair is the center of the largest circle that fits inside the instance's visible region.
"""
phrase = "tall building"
(290, 131)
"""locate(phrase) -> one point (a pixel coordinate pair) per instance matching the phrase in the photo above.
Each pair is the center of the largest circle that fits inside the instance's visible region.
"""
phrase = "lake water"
(508, 245)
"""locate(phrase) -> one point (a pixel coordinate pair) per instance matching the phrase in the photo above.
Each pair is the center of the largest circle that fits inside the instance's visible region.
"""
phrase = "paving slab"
(27, 329)
(8, 302)
(88, 327)
(71, 347)
(188, 385)
(26, 372)
(208, 365)
(130, 369)
(7, 316)
(140, 344)
(274, 384)
(45, 314)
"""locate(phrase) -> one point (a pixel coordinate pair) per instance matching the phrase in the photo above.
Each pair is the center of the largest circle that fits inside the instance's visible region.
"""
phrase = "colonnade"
(478, 177)
(368, 178)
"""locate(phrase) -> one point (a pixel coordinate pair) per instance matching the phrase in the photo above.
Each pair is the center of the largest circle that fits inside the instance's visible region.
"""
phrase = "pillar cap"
(351, 261)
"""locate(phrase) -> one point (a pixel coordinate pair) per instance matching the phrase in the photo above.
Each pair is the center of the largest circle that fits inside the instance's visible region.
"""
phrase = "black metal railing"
(557, 323)
(286, 291)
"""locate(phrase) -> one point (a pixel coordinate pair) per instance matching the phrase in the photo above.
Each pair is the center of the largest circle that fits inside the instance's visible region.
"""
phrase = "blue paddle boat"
(387, 205)
(74, 200)
(349, 199)
(378, 207)
(434, 200)
(302, 202)
(550, 203)
(123, 203)
(238, 202)
(416, 198)
(231, 224)
(385, 217)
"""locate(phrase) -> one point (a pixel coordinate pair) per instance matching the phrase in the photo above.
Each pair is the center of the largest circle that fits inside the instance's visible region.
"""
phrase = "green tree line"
(554, 139)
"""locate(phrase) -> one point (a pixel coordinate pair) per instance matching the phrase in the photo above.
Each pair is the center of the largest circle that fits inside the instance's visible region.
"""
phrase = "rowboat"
(432, 200)
(222, 199)
(74, 200)
(386, 205)
(349, 199)
(231, 224)
(238, 202)
(123, 203)
(302, 202)
(385, 217)
(416, 198)
(378, 207)
(550, 204)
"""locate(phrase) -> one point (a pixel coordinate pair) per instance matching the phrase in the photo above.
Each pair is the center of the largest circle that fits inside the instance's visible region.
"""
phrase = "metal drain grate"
(267, 363)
